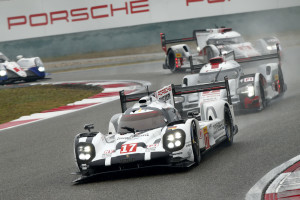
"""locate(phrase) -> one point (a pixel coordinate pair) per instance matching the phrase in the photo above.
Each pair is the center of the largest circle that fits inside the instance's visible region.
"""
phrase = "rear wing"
(176, 90)
(179, 90)
(260, 58)
(164, 41)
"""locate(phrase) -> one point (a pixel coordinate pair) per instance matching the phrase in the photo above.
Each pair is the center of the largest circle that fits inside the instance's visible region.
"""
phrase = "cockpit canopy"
(146, 118)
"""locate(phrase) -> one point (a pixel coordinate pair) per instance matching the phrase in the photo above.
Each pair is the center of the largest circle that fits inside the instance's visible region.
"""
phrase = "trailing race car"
(152, 133)
(209, 43)
(254, 81)
(27, 69)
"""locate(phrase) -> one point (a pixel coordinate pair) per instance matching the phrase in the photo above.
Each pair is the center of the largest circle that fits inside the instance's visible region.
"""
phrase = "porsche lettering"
(79, 14)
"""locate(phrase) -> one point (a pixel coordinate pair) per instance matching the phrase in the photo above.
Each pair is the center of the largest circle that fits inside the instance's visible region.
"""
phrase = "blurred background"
(95, 28)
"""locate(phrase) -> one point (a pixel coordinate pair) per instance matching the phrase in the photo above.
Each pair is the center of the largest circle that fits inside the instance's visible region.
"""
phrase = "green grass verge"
(17, 102)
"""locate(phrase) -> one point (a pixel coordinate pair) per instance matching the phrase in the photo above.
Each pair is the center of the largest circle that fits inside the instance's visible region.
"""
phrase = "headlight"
(174, 140)
(41, 69)
(171, 137)
(249, 89)
(3, 73)
(273, 47)
(178, 135)
(85, 152)
(38, 62)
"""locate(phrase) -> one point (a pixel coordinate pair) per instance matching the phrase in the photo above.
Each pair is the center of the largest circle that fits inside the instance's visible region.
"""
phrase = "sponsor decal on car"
(107, 153)
(219, 126)
(165, 94)
(124, 138)
(178, 55)
(206, 137)
(248, 79)
(200, 134)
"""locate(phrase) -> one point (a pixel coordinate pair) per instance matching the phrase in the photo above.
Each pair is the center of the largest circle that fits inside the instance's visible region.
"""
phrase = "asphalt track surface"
(36, 159)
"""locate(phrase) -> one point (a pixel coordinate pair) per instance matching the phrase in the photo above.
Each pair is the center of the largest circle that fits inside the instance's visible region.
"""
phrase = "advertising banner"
(21, 19)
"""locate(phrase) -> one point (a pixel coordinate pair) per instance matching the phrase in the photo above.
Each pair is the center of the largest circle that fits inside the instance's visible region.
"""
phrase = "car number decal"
(128, 148)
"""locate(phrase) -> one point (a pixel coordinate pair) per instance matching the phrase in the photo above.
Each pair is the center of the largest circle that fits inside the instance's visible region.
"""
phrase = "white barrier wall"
(22, 19)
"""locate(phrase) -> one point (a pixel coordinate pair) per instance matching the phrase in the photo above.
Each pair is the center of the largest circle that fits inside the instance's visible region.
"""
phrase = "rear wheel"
(262, 98)
(228, 125)
(195, 144)
(171, 61)
(281, 82)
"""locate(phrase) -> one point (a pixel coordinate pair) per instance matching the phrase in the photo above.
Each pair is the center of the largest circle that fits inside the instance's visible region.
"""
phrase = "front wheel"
(195, 144)
(262, 98)
(228, 125)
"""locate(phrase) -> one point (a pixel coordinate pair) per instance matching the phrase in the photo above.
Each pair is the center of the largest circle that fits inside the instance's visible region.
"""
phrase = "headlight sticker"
(172, 128)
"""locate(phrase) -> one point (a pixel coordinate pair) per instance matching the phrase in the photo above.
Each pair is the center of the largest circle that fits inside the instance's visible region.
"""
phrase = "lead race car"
(254, 82)
(209, 43)
(25, 69)
(152, 133)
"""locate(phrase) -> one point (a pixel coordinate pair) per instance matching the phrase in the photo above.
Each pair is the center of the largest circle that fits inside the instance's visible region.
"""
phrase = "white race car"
(209, 44)
(27, 69)
(253, 82)
(152, 133)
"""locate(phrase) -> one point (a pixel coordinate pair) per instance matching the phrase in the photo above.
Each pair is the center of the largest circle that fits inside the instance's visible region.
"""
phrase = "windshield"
(141, 121)
(226, 41)
(210, 76)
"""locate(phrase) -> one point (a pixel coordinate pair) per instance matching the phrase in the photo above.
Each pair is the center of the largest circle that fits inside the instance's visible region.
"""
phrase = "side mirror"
(19, 57)
(89, 127)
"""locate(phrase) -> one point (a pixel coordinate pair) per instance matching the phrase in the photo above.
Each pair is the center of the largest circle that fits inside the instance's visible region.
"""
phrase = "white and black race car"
(25, 69)
(152, 133)
(209, 43)
(254, 82)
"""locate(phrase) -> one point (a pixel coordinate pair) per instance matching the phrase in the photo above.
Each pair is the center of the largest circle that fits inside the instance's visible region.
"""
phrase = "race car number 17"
(127, 148)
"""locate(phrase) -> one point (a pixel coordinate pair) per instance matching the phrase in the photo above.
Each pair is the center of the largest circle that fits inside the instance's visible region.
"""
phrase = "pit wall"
(51, 29)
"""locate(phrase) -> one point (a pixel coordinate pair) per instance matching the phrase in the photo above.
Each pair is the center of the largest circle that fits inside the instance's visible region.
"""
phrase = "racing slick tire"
(171, 61)
(262, 97)
(283, 86)
(195, 144)
(228, 125)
